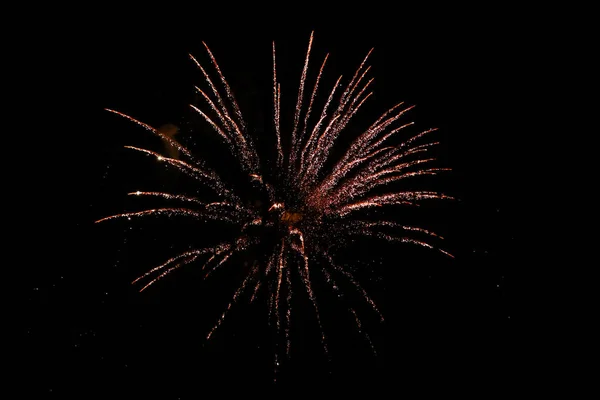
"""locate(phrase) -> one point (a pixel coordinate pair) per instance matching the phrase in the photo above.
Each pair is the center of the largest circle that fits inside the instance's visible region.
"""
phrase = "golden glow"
(291, 217)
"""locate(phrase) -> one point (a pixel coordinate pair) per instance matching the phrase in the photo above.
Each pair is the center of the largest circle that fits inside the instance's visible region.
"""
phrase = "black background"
(87, 331)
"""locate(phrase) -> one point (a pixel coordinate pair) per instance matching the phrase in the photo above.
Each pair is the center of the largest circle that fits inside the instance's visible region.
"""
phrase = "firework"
(313, 205)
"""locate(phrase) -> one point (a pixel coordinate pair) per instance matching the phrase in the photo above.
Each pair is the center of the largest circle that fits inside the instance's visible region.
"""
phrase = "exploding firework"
(310, 204)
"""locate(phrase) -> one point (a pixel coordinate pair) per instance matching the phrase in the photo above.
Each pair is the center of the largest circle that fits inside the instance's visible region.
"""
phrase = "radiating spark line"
(372, 170)
(361, 204)
(273, 260)
(170, 261)
(391, 199)
(158, 211)
(314, 154)
(363, 228)
(299, 104)
(323, 150)
(255, 292)
(385, 181)
(355, 86)
(288, 312)
(330, 134)
(360, 330)
(276, 90)
(315, 132)
(164, 137)
(340, 294)
(305, 274)
(212, 105)
(241, 245)
(391, 238)
(385, 137)
(217, 251)
(235, 298)
(246, 152)
(392, 224)
(360, 143)
(223, 260)
(280, 267)
(312, 98)
(396, 168)
(421, 148)
(167, 196)
(213, 124)
(195, 172)
(243, 152)
(385, 160)
(365, 139)
(340, 171)
(214, 90)
(230, 96)
(352, 108)
(418, 136)
(446, 253)
(358, 287)
(327, 139)
(278, 116)
(348, 93)
(168, 271)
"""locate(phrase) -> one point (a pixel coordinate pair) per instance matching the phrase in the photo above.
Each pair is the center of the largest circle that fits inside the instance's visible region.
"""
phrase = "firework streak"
(310, 207)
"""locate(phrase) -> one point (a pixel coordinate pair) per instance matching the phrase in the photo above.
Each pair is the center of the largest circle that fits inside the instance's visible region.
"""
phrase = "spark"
(311, 211)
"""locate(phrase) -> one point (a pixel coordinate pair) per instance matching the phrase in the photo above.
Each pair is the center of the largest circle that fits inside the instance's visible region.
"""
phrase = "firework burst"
(311, 203)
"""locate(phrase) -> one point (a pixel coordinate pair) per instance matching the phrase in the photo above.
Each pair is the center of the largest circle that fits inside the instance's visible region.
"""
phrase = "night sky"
(87, 331)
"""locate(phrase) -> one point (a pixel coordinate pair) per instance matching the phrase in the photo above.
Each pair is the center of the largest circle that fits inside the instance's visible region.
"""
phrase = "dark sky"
(87, 331)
